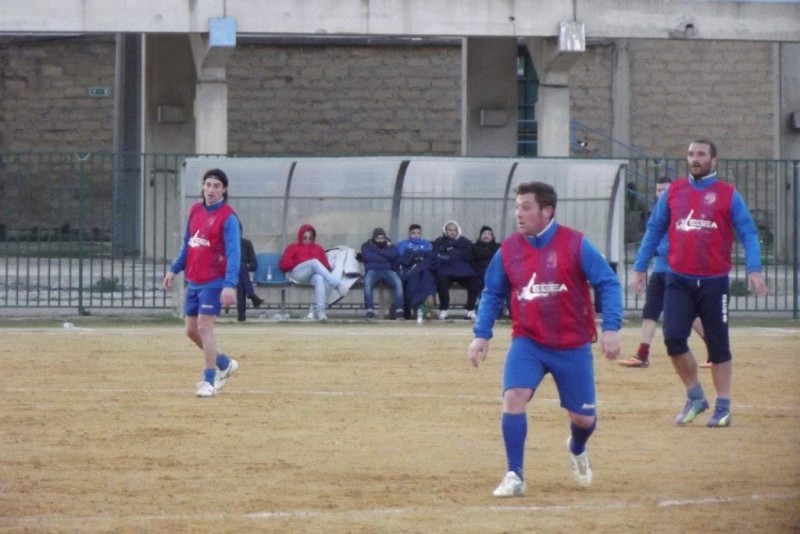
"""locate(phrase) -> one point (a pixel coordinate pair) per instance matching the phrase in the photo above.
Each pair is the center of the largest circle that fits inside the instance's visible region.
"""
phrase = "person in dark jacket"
(454, 253)
(483, 250)
(245, 288)
(380, 260)
(417, 266)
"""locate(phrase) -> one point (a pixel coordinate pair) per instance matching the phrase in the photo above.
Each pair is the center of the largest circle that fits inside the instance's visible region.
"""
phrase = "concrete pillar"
(489, 96)
(621, 100)
(211, 118)
(211, 53)
(552, 117)
(552, 57)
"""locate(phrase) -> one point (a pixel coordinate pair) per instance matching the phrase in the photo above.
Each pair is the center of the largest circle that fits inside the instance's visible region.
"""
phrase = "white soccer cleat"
(581, 466)
(442, 315)
(221, 380)
(204, 389)
(470, 315)
(511, 486)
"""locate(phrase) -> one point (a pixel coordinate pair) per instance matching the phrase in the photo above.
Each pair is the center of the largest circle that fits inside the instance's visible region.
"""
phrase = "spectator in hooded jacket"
(380, 259)
(305, 262)
(454, 252)
(483, 250)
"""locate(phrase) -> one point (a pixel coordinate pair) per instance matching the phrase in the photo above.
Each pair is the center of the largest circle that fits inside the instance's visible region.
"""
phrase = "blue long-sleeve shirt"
(232, 253)
(658, 226)
(595, 267)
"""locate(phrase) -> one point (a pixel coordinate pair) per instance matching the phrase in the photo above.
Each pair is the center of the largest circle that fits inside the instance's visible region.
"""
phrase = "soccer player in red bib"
(547, 270)
(210, 255)
(701, 216)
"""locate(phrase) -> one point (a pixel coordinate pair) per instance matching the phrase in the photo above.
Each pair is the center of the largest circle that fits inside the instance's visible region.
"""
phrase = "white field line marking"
(365, 394)
(407, 511)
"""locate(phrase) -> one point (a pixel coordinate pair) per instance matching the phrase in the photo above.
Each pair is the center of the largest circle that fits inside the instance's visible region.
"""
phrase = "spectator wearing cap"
(380, 265)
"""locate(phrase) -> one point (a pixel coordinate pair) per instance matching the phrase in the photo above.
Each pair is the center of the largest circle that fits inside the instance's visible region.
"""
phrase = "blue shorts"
(202, 301)
(685, 299)
(527, 362)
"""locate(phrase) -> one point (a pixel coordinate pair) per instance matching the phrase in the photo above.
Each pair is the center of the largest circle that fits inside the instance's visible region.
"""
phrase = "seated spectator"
(454, 253)
(305, 262)
(245, 289)
(483, 251)
(417, 266)
(380, 259)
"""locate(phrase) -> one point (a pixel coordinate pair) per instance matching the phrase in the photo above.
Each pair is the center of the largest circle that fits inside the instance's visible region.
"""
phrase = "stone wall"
(345, 100)
(396, 99)
(683, 90)
(45, 103)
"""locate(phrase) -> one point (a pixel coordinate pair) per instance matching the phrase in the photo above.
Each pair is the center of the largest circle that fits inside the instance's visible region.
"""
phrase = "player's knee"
(676, 347)
(719, 355)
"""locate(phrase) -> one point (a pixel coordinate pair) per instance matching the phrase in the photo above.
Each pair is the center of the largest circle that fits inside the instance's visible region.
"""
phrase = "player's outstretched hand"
(756, 284)
(168, 279)
(609, 343)
(228, 296)
(478, 350)
(639, 282)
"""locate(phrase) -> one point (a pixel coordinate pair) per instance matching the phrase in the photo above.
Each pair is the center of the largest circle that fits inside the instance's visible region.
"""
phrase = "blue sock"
(695, 392)
(223, 361)
(723, 403)
(580, 436)
(515, 430)
(209, 375)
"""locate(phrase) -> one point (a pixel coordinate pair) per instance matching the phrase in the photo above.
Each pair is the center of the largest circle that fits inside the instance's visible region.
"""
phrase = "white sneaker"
(511, 486)
(321, 316)
(204, 389)
(442, 315)
(310, 316)
(470, 315)
(221, 380)
(581, 466)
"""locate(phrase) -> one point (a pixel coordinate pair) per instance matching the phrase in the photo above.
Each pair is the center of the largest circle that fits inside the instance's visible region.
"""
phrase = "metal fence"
(97, 230)
(771, 190)
(84, 230)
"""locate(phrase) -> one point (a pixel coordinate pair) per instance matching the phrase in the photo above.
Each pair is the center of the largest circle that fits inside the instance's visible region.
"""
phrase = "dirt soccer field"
(382, 427)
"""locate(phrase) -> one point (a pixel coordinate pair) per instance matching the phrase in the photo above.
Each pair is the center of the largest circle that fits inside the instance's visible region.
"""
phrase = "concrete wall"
(400, 100)
(345, 100)
(681, 90)
(44, 94)
(659, 19)
(490, 85)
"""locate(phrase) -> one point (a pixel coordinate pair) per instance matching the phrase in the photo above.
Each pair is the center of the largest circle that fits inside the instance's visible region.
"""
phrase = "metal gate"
(85, 230)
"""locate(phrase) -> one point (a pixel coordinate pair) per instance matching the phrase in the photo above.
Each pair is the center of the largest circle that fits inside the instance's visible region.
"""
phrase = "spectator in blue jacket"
(380, 261)
(417, 267)
(454, 252)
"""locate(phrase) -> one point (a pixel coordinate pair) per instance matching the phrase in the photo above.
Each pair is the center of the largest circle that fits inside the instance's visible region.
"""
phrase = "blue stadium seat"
(268, 274)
